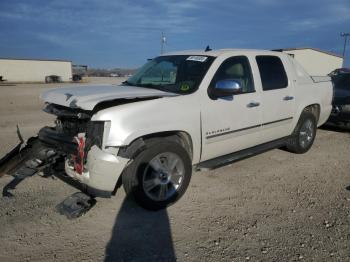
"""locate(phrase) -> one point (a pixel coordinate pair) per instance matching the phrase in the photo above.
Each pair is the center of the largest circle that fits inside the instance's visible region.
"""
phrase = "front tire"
(304, 134)
(159, 175)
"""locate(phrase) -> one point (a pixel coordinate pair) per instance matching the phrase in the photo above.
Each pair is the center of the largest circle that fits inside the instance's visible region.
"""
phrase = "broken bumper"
(101, 171)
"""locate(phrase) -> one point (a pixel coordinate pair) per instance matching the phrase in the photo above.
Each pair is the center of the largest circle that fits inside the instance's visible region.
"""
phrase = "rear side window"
(272, 73)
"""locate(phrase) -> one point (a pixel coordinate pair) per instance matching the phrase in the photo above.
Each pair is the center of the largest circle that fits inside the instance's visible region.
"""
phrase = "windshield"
(178, 73)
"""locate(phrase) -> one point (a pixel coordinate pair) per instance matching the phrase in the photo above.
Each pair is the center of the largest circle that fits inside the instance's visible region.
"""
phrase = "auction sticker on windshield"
(197, 58)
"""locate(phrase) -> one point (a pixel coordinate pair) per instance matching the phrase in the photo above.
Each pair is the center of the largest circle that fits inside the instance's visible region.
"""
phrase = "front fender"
(131, 121)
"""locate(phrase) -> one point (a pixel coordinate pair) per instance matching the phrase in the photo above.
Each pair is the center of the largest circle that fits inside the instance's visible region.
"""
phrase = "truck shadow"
(140, 235)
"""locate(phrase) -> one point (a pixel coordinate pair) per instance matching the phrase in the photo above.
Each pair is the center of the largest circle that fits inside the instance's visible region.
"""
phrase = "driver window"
(235, 68)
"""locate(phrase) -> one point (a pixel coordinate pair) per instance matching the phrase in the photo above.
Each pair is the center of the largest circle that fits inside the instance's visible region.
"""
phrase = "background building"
(33, 70)
(316, 62)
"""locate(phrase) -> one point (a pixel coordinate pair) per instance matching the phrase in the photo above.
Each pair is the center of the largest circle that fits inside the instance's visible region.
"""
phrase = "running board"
(236, 156)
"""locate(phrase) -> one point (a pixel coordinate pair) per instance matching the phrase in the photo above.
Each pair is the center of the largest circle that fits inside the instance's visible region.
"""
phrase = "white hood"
(88, 96)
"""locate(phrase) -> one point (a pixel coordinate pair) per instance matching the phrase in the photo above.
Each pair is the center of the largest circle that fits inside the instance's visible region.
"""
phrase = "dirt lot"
(273, 207)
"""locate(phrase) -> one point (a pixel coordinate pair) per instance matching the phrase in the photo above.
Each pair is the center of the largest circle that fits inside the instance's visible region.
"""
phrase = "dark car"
(339, 71)
(341, 102)
(53, 79)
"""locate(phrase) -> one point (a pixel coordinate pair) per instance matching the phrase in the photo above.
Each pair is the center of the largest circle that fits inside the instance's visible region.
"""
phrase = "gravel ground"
(275, 206)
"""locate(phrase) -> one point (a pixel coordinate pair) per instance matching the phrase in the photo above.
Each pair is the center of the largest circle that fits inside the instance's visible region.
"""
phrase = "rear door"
(277, 98)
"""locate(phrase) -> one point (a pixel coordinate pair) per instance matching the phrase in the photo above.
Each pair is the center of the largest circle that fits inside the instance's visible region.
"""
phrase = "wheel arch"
(315, 109)
(294, 143)
(138, 144)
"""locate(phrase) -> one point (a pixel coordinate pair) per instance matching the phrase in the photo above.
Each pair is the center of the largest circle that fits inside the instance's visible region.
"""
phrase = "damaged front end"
(26, 159)
(67, 143)
(73, 135)
(19, 154)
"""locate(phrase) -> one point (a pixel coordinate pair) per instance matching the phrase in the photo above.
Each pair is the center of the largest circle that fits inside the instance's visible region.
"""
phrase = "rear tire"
(304, 134)
(159, 175)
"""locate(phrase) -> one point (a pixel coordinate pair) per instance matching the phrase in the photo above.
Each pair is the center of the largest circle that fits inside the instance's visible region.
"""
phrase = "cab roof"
(219, 52)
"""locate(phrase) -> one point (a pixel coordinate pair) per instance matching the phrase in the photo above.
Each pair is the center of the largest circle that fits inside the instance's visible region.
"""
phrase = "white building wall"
(316, 63)
(16, 70)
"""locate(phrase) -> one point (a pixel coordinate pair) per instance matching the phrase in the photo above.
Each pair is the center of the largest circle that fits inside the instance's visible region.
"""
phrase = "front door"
(233, 123)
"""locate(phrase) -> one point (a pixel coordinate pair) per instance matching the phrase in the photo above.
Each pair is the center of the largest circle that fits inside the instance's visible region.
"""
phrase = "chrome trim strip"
(233, 131)
(284, 119)
(249, 127)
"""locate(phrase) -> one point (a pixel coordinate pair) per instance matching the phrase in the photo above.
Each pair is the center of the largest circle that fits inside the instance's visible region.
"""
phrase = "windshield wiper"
(164, 88)
(158, 87)
(140, 85)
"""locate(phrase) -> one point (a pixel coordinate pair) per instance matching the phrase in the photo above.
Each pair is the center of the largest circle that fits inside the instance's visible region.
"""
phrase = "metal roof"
(311, 48)
(34, 59)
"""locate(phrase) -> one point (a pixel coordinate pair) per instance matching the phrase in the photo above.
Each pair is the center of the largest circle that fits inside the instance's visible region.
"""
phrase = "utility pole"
(162, 42)
(345, 35)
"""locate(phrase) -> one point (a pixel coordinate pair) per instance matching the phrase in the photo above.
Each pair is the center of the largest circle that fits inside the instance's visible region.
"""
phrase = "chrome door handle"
(287, 98)
(253, 104)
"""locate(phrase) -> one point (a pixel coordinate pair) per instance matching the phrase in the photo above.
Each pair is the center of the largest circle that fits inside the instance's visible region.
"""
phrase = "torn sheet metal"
(25, 160)
(18, 155)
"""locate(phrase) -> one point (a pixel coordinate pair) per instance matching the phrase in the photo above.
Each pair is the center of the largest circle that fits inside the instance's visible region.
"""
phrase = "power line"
(345, 35)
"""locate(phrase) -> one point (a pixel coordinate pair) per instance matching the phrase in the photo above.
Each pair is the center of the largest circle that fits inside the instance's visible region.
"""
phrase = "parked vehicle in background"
(181, 110)
(339, 71)
(53, 79)
(77, 77)
(341, 101)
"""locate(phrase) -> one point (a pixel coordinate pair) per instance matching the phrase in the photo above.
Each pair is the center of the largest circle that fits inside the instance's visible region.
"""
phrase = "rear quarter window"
(272, 72)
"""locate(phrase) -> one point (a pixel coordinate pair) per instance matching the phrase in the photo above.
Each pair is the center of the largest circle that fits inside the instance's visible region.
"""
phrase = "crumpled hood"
(88, 96)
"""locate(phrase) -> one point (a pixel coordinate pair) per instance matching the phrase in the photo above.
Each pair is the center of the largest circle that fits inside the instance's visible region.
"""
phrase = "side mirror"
(227, 87)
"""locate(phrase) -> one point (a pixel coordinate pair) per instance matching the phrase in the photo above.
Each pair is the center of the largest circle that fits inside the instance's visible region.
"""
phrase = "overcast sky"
(120, 33)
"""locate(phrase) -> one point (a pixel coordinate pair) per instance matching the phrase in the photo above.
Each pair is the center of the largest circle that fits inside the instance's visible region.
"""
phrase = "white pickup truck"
(183, 110)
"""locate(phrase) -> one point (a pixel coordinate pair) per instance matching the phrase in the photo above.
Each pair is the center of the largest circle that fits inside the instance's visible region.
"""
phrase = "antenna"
(162, 43)
(207, 49)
